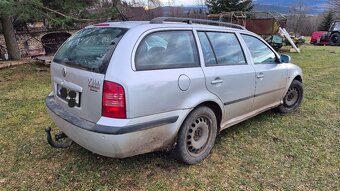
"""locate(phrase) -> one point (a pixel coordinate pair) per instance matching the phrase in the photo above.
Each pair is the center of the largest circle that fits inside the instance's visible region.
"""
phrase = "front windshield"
(336, 26)
(90, 48)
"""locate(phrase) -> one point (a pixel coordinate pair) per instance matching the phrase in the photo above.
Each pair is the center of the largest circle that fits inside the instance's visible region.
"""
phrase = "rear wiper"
(74, 64)
(68, 62)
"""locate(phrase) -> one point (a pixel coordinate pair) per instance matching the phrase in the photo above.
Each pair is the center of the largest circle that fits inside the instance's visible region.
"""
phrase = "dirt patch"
(7, 64)
(40, 61)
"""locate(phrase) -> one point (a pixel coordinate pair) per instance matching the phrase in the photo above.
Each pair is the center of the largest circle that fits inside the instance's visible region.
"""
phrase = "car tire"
(293, 98)
(335, 39)
(196, 136)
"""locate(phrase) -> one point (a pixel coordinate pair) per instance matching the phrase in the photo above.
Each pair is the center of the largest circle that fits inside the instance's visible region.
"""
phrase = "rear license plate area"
(70, 96)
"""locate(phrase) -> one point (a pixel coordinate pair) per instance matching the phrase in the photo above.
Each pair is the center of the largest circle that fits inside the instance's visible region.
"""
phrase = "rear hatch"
(78, 70)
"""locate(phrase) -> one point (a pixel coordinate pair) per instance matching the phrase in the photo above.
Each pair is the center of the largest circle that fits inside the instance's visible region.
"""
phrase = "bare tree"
(297, 17)
(203, 11)
(176, 12)
(154, 3)
(200, 3)
(171, 3)
(300, 22)
(335, 5)
(149, 4)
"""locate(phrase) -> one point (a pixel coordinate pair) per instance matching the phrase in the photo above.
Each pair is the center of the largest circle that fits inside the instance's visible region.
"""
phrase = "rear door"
(167, 76)
(78, 70)
(228, 75)
(271, 76)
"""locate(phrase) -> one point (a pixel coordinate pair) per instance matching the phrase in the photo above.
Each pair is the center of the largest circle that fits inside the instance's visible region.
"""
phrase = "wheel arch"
(294, 73)
(334, 32)
(298, 78)
(215, 107)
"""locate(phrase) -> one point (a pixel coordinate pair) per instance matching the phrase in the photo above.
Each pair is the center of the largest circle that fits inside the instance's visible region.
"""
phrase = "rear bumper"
(137, 136)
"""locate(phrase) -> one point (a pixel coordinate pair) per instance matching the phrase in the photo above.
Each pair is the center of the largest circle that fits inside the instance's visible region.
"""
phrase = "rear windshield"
(90, 48)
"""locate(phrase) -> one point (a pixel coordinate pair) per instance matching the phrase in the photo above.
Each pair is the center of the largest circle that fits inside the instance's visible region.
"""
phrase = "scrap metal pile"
(269, 25)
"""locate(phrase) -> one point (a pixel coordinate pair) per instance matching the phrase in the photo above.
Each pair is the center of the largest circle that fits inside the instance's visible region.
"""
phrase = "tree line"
(302, 23)
(58, 13)
(65, 13)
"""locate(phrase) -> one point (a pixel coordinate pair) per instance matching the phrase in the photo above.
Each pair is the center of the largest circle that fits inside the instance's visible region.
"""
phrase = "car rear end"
(91, 110)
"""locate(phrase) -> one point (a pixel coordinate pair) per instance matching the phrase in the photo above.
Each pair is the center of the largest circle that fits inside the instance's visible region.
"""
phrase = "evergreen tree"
(218, 6)
(327, 21)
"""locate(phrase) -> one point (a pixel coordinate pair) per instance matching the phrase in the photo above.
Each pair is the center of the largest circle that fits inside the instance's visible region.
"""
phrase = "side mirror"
(285, 58)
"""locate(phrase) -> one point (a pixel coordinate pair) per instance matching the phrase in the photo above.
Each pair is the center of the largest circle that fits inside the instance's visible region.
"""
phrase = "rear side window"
(166, 50)
(260, 52)
(90, 48)
(227, 48)
(208, 53)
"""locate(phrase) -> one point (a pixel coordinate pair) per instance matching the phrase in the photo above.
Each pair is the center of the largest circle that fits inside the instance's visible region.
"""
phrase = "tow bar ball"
(58, 137)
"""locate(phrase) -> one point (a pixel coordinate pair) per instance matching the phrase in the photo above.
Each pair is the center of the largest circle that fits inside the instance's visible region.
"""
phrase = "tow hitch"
(59, 136)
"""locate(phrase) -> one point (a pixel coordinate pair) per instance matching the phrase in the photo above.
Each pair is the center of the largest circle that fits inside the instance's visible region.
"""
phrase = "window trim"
(157, 30)
(277, 61)
(205, 34)
(106, 59)
(211, 46)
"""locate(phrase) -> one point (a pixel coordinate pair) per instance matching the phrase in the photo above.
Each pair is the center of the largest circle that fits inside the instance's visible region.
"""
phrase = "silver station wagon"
(126, 88)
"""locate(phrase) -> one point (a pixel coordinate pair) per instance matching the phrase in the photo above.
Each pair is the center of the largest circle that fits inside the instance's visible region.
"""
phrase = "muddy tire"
(292, 99)
(196, 136)
(335, 39)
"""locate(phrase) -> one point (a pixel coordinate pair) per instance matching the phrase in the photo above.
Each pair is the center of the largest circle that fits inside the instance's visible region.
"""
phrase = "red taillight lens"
(113, 103)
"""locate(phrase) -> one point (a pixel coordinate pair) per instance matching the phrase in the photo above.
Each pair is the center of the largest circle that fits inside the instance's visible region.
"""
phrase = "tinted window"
(260, 52)
(90, 48)
(167, 49)
(208, 53)
(227, 48)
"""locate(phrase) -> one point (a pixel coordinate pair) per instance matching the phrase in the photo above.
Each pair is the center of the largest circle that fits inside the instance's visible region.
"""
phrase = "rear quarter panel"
(154, 91)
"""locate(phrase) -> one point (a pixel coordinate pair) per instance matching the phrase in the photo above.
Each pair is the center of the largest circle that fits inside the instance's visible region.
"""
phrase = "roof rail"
(160, 20)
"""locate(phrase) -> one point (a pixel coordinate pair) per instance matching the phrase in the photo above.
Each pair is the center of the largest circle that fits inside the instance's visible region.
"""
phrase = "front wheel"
(293, 98)
(335, 39)
(196, 136)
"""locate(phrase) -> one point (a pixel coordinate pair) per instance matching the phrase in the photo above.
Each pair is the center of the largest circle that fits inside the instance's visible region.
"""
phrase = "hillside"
(289, 2)
(282, 6)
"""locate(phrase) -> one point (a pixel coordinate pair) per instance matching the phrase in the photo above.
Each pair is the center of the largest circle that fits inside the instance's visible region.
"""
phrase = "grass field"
(298, 151)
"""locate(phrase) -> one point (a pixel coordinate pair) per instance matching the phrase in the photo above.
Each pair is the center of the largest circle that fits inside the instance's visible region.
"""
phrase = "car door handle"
(260, 75)
(217, 81)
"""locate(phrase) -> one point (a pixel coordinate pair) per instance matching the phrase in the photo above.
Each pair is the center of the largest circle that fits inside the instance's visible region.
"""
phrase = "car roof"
(142, 26)
(119, 24)
(149, 25)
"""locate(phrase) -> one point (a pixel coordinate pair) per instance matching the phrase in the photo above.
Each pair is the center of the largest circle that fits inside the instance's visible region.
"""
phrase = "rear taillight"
(113, 103)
